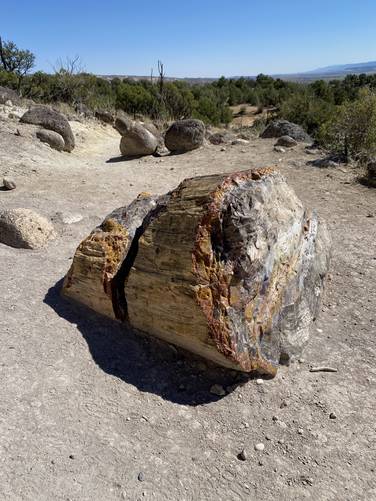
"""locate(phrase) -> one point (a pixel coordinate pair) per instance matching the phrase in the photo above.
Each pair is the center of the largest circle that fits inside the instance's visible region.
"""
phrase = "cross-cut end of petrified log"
(101, 259)
(230, 267)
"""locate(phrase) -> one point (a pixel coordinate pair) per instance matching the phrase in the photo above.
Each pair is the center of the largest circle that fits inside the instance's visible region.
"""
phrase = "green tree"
(15, 60)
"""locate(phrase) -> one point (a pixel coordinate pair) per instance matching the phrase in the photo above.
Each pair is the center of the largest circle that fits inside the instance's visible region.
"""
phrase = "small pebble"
(283, 404)
(242, 456)
(259, 447)
(259, 381)
(9, 183)
(218, 390)
(300, 431)
(332, 415)
(71, 456)
(141, 476)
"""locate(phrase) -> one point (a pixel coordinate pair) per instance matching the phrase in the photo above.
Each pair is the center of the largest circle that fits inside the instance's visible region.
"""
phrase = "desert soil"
(90, 411)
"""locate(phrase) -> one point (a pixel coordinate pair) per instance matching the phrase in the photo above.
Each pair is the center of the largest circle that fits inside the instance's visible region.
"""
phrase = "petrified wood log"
(230, 267)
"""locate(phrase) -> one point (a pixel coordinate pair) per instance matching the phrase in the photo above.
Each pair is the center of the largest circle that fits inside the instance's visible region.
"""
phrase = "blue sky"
(194, 37)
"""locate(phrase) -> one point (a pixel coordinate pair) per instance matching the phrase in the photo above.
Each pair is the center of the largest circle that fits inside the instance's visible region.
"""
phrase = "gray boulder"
(50, 119)
(122, 122)
(185, 135)
(138, 141)
(24, 228)
(82, 109)
(53, 139)
(104, 116)
(286, 141)
(8, 95)
(280, 128)
(152, 128)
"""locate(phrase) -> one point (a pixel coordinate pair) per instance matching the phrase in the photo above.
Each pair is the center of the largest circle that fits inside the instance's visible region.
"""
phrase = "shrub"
(352, 129)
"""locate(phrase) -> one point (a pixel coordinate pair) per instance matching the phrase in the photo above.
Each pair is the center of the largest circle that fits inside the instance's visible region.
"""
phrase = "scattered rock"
(141, 476)
(259, 381)
(161, 151)
(332, 415)
(280, 128)
(53, 139)
(222, 137)
(323, 369)
(24, 228)
(137, 141)
(260, 447)
(9, 183)
(323, 163)
(104, 116)
(185, 135)
(279, 149)
(239, 141)
(287, 142)
(313, 152)
(50, 119)
(218, 390)
(242, 456)
(9, 103)
(300, 431)
(67, 218)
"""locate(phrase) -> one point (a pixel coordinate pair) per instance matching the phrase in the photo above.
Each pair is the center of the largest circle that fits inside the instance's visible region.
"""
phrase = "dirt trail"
(89, 411)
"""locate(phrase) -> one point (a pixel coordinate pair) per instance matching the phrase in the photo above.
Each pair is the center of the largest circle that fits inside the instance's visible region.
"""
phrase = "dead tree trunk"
(230, 267)
(2, 56)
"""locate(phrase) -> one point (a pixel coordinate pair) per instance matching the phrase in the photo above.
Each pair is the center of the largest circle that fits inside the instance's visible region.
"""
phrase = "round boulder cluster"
(54, 121)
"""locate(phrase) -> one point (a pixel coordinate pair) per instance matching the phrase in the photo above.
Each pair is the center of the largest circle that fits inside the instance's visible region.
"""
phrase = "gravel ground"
(90, 411)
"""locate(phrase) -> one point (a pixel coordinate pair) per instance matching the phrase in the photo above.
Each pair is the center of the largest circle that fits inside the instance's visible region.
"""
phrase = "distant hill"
(332, 72)
(326, 73)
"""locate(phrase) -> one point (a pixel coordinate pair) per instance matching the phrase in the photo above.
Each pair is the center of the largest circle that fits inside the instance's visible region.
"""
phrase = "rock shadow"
(121, 158)
(150, 365)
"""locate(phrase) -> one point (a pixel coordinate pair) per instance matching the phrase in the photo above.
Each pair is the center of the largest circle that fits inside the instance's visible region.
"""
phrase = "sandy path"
(85, 407)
